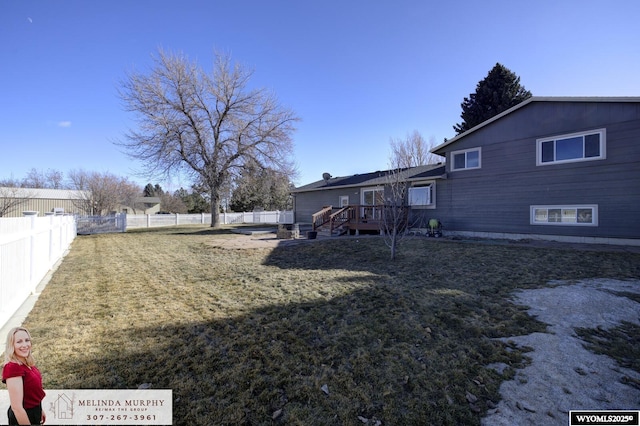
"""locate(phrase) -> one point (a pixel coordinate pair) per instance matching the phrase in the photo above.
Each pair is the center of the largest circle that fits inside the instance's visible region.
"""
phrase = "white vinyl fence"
(101, 224)
(29, 247)
(154, 220)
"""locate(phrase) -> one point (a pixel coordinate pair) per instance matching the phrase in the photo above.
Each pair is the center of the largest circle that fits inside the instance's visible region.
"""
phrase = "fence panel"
(101, 224)
(154, 220)
(29, 248)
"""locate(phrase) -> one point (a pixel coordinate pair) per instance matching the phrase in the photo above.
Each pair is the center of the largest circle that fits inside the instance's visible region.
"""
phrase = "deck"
(349, 218)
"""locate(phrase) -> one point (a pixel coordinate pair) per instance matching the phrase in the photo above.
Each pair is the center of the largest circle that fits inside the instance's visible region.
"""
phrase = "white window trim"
(432, 204)
(464, 151)
(593, 207)
(371, 188)
(603, 147)
(341, 198)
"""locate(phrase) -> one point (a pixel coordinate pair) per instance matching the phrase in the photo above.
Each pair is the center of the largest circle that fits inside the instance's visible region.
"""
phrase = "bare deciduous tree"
(206, 125)
(172, 203)
(11, 196)
(395, 213)
(52, 179)
(130, 194)
(105, 192)
(413, 151)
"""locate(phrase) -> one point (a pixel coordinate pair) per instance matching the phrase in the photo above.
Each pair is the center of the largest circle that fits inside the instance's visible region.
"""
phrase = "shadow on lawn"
(411, 348)
(381, 354)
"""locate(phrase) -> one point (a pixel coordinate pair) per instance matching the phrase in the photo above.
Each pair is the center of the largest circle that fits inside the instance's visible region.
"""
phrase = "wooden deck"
(350, 218)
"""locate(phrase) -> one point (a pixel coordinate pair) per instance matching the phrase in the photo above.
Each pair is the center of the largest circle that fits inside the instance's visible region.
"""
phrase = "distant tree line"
(254, 189)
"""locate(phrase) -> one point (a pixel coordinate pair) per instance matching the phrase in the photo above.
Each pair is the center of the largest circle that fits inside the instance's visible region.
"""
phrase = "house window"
(467, 159)
(422, 195)
(372, 200)
(580, 215)
(372, 196)
(584, 146)
(344, 201)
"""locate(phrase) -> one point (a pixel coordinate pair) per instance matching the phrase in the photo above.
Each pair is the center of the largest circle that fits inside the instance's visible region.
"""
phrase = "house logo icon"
(62, 407)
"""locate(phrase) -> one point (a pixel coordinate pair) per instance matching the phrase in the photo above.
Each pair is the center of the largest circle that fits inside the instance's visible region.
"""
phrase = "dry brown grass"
(241, 334)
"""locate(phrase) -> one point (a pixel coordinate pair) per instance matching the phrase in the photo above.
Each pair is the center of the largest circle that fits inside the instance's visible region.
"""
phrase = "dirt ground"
(259, 239)
(563, 375)
(268, 239)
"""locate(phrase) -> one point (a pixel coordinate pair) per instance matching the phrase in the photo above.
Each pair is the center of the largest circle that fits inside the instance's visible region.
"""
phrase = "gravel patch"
(563, 375)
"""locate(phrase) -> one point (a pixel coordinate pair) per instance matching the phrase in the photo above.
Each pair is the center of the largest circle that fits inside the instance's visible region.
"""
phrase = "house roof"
(439, 149)
(148, 200)
(374, 178)
(44, 193)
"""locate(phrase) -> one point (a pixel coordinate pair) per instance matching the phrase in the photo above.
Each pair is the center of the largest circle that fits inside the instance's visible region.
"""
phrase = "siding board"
(497, 197)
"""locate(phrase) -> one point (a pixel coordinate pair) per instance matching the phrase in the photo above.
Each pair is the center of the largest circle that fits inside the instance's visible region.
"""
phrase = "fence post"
(148, 220)
(32, 248)
(51, 232)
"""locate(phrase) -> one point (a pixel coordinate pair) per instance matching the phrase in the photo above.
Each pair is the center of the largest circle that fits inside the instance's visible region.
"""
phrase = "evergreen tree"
(152, 190)
(499, 91)
(194, 201)
(260, 188)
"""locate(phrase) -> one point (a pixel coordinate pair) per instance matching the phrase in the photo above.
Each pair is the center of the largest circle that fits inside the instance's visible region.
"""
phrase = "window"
(372, 196)
(582, 215)
(467, 159)
(573, 147)
(421, 195)
(372, 200)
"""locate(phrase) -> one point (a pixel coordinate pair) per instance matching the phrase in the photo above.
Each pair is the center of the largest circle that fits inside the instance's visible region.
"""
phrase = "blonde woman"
(23, 380)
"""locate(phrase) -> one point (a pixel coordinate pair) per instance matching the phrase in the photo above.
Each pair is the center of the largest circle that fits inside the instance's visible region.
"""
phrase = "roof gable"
(440, 149)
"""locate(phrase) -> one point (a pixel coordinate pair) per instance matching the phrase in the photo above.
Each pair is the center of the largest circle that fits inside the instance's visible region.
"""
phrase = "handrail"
(320, 218)
(341, 217)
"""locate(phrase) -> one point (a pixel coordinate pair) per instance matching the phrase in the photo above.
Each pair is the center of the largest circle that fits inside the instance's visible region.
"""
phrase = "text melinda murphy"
(108, 406)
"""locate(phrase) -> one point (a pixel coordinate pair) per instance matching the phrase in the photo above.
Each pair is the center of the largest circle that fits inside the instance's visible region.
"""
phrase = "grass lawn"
(252, 336)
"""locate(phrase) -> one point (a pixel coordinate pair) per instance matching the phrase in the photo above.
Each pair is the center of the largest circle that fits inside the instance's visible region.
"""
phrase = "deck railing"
(341, 217)
(355, 216)
(322, 217)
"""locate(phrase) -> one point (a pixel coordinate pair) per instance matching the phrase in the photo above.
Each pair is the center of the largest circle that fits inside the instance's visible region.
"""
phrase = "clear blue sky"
(358, 72)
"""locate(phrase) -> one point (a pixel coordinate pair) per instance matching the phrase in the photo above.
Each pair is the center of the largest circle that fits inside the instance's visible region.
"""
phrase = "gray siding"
(308, 203)
(497, 197)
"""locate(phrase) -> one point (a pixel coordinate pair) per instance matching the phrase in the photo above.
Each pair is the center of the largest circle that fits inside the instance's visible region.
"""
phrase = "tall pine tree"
(499, 91)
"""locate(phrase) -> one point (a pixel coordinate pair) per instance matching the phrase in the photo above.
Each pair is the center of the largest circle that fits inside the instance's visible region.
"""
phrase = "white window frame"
(603, 147)
(373, 189)
(371, 211)
(342, 200)
(432, 194)
(566, 215)
(465, 152)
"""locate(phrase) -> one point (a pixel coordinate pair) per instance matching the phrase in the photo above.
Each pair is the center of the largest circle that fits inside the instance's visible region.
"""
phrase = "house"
(14, 201)
(142, 205)
(556, 168)
(361, 197)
